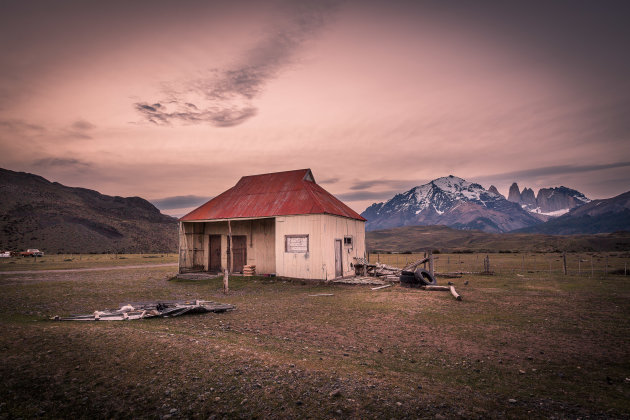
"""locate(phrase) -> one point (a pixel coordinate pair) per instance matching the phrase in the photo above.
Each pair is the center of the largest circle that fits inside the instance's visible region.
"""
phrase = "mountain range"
(37, 213)
(597, 216)
(550, 202)
(457, 203)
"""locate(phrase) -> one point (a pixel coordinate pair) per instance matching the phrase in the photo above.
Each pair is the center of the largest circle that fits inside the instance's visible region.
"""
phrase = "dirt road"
(76, 270)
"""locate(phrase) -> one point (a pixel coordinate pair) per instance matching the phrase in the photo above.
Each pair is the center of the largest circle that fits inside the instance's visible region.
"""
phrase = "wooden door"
(214, 259)
(338, 258)
(239, 247)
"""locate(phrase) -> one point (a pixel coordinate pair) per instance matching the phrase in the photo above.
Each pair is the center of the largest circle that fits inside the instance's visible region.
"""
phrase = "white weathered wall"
(319, 262)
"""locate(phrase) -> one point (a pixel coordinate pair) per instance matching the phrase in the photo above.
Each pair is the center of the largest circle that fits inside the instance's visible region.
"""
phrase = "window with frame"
(296, 243)
(347, 241)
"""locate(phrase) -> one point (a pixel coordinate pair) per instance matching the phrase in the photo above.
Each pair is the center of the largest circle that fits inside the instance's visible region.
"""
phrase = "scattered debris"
(381, 287)
(322, 294)
(142, 310)
(417, 278)
(361, 280)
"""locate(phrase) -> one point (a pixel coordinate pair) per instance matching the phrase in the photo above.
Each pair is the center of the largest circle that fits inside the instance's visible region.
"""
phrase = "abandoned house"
(283, 223)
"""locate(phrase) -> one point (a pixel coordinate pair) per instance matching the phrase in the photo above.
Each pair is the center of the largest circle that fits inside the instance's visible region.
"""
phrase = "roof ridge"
(311, 193)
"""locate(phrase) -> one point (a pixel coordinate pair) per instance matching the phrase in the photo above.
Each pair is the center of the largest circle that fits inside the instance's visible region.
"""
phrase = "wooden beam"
(231, 262)
(455, 294)
(436, 288)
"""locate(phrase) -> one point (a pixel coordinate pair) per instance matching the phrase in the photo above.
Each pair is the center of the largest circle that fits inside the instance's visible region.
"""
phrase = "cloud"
(555, 170)
(179, 202)
(363, 185)
(20, 125)
(65, 162)
(82, 125)
(329, 181)
(367, 195)
(215, 115)
(224, 98)
(79, 129)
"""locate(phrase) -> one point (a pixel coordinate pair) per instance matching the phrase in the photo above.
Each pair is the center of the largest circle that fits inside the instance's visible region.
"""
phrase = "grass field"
(420, 238)
(519, 345)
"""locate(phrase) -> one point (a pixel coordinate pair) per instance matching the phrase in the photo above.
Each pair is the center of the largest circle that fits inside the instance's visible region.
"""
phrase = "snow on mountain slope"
(450, 201)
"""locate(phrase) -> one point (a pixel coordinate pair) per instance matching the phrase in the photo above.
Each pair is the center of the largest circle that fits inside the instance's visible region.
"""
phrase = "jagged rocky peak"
(559, 198)
(528, 197)
(515, 194)
(494, 190)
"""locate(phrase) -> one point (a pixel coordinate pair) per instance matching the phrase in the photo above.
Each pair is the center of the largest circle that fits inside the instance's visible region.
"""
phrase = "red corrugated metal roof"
(276, 194)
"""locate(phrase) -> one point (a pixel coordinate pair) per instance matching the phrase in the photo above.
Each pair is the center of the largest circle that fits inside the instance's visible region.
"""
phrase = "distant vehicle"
(6, 254)
(32, 252)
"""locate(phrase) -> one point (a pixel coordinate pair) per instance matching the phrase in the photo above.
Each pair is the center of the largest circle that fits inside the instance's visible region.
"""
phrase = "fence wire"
(577, 264)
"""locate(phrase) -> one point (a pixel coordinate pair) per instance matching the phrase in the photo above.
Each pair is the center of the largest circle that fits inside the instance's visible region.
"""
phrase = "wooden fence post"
(564, 262)
(431, 263)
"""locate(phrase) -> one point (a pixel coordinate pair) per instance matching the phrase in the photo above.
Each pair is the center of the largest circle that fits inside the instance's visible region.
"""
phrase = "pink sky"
(170, 99)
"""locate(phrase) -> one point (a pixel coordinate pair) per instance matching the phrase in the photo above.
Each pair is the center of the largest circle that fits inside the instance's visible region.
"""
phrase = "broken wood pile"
(142, 310)
(387, 271)
(412, 266)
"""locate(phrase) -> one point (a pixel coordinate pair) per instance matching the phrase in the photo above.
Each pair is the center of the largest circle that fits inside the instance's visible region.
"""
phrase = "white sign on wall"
(296, 243)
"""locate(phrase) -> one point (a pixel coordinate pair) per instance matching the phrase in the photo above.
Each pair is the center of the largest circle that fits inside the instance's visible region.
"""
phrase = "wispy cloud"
(61, 162)
(179, 202)
(329, 181)
(79, 130)
(20, 125)
(371, 183)
(554, 170)
(225, 97)
(82, 125)
(367, 195)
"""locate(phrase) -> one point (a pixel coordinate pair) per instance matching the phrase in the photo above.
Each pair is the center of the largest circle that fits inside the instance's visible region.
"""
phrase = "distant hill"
(37, 213)
(445, 239)
(608, 215)
(453, 202)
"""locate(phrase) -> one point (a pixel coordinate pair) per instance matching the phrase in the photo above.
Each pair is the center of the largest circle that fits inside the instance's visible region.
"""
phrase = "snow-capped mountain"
(449, 201)
(552, 202)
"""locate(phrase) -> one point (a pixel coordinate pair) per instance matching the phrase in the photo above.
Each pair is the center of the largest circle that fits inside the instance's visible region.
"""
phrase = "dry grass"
(416, 238)
(71, 261)
(362, 354)
(584, 264)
